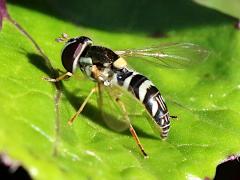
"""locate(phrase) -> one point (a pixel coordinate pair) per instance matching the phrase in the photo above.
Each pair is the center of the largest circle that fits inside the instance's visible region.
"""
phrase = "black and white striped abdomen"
(145, 91)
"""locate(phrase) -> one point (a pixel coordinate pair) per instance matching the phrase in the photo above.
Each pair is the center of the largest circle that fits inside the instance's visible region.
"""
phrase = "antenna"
(64, 37)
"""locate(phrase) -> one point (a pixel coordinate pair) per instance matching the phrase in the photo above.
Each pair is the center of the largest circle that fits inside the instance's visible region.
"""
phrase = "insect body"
(144, 90)
(105, 66)
(109, 69)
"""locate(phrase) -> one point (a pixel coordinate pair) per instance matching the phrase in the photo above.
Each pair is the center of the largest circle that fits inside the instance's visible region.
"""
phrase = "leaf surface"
(205, 98)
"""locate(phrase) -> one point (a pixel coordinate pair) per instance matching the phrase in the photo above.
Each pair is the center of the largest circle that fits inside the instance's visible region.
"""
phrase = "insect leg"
(62, 77)
(100, 98)
(70, 121)
(131, 129)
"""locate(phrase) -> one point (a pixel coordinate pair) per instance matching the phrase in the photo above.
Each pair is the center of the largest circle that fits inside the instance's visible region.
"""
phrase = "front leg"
(60, 78)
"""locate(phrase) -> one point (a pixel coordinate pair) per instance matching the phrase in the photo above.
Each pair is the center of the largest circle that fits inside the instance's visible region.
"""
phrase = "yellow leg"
(62, 77)
(131, 129)
(70, 121)
(135, 137)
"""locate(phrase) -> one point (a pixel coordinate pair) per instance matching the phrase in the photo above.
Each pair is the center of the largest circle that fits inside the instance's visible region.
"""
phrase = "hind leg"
(131, 129)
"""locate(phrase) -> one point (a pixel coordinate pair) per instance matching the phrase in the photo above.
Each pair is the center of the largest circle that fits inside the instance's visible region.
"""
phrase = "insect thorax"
(97, 64)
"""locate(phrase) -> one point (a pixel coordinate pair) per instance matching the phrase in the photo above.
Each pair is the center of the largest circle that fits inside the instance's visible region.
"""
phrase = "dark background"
(129, 15)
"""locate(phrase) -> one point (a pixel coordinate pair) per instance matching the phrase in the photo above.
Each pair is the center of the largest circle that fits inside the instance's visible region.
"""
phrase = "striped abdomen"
(144, 90)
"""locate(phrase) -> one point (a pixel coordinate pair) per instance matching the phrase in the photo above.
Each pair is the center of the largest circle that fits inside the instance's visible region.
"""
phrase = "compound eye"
(68, 55)
(72, 52)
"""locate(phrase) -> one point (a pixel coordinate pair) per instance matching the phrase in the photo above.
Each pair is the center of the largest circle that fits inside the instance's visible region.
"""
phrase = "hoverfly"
(109, 69)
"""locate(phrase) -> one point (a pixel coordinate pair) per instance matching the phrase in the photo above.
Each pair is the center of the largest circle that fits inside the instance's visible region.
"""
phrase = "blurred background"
(143, 16)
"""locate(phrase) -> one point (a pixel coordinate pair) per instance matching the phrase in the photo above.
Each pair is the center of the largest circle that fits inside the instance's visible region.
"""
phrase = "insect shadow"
(40, 63)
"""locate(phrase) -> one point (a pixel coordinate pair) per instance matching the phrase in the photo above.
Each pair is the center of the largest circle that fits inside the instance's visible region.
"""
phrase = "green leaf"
(232, 7)
(205, 98)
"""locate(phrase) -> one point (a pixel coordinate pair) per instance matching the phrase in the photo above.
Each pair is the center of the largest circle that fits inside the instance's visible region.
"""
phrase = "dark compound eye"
(73, 50)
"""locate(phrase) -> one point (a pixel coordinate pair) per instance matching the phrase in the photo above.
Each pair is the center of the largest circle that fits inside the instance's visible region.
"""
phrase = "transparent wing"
(177, 55)
(114, 116)
(111, 112)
